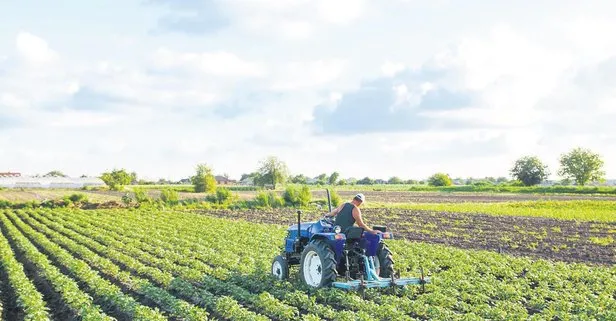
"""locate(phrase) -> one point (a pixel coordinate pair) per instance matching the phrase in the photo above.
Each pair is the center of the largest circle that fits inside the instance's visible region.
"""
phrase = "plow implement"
(375, 281)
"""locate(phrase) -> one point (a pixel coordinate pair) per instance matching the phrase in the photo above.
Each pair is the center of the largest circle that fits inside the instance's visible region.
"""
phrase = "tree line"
(580, 166)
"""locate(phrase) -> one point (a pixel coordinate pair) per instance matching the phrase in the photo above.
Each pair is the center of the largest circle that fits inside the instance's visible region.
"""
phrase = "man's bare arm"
(360, 222)
(334, 211)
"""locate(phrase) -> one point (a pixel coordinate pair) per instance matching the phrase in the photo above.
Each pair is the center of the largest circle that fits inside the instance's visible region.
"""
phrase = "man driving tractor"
(348, 213)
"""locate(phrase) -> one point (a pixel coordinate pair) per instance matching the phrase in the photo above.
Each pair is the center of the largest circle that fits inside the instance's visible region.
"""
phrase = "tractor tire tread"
(386, 261)
(328, 261)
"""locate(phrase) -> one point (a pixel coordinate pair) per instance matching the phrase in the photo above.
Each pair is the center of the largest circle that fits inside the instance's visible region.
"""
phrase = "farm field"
(564, 240)
(141, 264)
(379, 196)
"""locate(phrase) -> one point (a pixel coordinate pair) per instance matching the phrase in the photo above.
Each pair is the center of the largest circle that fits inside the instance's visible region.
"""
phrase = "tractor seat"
(354, 233)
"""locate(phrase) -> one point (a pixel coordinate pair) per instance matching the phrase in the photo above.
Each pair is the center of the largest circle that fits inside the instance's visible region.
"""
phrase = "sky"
(380, 88)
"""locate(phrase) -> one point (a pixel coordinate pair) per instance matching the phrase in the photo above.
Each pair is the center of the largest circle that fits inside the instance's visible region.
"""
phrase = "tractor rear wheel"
(318, 264)
(386, 261)
(280, 268)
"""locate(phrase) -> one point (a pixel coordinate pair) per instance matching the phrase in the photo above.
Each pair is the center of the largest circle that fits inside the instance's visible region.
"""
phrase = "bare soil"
(561, 240)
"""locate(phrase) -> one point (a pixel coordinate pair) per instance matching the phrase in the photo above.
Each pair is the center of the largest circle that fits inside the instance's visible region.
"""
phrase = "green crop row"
(580, 210)
(189, 263)
(27, 295)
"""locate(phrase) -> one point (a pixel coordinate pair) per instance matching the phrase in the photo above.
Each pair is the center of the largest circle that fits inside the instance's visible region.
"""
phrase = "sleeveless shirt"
(345, 218)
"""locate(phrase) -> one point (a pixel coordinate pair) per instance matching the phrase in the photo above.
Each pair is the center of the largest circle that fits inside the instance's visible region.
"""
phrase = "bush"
(297, 197)
(335, 198)
(78, 198)
(5, 204)
(223, 196)
(169, 196)
(269, 199)
(440, 179)
(141, 195)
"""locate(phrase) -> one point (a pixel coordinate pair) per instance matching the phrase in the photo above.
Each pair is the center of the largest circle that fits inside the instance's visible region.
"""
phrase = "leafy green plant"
(269, 199)
(169, 196)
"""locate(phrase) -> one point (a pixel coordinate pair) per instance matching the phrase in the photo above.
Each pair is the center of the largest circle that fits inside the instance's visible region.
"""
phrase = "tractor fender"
(335, 241)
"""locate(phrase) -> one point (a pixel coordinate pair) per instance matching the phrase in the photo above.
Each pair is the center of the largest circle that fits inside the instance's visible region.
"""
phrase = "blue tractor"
(324, 254)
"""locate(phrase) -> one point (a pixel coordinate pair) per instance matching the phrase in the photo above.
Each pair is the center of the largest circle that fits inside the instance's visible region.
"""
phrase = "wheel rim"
(277, 269)
(313, 269)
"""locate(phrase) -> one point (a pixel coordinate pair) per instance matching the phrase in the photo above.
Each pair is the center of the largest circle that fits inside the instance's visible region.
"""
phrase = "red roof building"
(9, 174)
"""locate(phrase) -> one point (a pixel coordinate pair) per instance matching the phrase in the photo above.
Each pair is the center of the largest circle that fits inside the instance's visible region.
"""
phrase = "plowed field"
(167, 265)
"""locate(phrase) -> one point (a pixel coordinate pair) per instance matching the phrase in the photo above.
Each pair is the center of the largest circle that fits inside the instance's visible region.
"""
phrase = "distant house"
(222, 180)
(9, 174)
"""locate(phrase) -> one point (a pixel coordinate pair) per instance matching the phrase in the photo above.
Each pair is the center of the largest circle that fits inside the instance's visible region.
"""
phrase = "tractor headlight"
(337, 229)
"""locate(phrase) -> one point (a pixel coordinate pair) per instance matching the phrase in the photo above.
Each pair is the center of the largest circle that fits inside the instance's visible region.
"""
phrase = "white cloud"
(538, 85)
(218, 63)
(300, 74)
(341, 11)
(391, 69)
(34, 49)
(80, 119)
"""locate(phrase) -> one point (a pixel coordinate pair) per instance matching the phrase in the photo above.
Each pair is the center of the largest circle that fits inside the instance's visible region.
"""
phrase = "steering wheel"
(329, 220)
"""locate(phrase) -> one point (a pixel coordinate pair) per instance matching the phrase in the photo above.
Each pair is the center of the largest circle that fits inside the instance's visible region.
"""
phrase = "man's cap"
(360, 197)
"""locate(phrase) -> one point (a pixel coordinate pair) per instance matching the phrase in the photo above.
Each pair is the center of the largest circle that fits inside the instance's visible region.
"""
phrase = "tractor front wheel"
(318, 265)
(280, 268)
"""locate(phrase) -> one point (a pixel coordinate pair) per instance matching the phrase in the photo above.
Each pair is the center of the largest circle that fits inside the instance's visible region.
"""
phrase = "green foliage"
(439, 179)
(578, 210)
(141, 195)
(78, 198)
(295, 196)
(395, 180)
(55, 173)
(272, 171)
(582, 165)
(117, 179)
(224, 274)
(299, 179)
(335, 198)
(269, 199)
(365, 181)
(333, 178)
(169, 196)
(5, 204)
(530, 170)
(223, 196)
(127, 199)
(203, 180)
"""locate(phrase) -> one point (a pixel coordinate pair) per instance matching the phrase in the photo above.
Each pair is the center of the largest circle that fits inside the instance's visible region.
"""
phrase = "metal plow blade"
(374, 281)
(380, 283)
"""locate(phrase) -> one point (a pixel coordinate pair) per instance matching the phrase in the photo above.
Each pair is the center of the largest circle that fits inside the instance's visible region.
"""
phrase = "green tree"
(529, 170)
(581, 165)
(272, 171)
(116, 179)
(203, 180)
(439, 179)
(395, 180)
(55, 173)
(299, 179)
(133, 178)
(365, 181)
(322, 179)
(333, 178)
